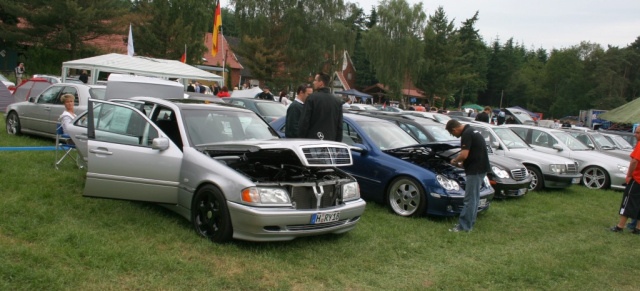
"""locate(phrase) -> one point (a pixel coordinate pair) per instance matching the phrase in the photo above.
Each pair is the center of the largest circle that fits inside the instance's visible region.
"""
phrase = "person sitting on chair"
(68, 115)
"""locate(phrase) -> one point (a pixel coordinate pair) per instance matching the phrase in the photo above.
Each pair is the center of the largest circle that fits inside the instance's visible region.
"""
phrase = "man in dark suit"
(294, 111)
(322, 113)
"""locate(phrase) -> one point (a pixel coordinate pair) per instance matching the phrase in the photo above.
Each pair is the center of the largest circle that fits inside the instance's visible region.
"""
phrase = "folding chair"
(64, 143)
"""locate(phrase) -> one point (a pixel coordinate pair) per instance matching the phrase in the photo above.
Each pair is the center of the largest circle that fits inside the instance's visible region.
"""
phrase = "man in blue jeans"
(473, 157)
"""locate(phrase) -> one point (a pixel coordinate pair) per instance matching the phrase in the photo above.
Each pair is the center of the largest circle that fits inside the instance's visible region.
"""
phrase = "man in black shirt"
(473, 157)
(485, 115)
(321, 116)
(266, 94)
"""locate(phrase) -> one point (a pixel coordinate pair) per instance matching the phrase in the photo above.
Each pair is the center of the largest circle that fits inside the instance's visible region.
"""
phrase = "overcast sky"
(543, 23)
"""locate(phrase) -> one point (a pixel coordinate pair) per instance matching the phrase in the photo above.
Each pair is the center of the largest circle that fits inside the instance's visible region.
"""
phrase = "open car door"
(128, 156)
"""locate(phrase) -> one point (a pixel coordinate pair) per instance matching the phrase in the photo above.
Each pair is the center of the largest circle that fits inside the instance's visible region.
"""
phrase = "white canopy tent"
(142, 66)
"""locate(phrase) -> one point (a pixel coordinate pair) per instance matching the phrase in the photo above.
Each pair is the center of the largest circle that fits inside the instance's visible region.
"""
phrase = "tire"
(537, 180)
(13, 124)
(406, 197)
(595, 178)
(210, 215)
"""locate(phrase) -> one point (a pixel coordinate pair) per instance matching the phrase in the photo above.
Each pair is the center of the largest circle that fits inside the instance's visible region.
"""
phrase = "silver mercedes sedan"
(599, 171)
(220, 166)
(547, 170)
(39, 115)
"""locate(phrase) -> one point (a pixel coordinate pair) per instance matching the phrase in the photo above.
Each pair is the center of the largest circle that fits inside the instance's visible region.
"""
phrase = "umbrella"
(354, 92)
(473, 106)
(627, 113)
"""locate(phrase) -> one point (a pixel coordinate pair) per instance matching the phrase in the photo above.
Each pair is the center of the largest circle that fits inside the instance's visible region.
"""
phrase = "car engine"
(432, 160)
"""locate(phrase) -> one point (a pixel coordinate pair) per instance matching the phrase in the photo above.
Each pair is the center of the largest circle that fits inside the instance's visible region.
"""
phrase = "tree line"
(285, 41)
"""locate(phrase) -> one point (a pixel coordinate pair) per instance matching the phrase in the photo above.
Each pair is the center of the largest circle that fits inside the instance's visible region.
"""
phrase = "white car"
(599, 171)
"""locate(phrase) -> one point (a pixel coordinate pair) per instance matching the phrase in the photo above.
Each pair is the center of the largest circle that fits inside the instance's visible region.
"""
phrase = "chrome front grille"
(327, 156)
(304, 197)
(519, 174)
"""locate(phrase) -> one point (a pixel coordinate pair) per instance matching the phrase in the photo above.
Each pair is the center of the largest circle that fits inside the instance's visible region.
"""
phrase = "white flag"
(130, 50)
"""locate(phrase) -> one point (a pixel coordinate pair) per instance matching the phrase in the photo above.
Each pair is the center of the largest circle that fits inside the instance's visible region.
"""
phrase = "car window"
(239, 103)
(583, 138)
(510, 139)
(541, 138)
(386, 135)
(415, 132)
(214, 126)
(570, 141)
(521, 132)
(271, 109)
(72, 91)
(97, 93)
(603, 142)
(349, 135)
(118, 124)
(50, 96)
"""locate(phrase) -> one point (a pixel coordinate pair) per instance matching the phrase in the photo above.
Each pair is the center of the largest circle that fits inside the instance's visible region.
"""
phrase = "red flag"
(217, 22)
(184, 58)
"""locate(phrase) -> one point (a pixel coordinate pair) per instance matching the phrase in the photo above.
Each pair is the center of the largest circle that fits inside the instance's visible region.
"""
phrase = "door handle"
(101, 151)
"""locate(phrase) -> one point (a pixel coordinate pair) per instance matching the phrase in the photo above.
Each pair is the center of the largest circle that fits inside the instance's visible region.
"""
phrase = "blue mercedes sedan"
(393, 169)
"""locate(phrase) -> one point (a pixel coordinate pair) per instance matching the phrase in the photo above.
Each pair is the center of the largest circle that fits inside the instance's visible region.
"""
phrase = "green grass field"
(52, 238)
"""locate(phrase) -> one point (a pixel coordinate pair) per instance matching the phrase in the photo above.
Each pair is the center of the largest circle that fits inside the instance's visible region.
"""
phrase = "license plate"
(522, 191)
(575, 181)
(483, 203)
(325, 217)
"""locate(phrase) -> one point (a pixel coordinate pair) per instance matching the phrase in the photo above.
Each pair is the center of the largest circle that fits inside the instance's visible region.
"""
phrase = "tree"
(393, 45)
(474, 55)
(444, 71)
(306, 35)
(164, 27)
(62, 24)
(365, 74)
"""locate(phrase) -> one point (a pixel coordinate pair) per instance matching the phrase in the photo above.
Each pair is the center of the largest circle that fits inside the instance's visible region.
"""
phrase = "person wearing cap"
(266, 95)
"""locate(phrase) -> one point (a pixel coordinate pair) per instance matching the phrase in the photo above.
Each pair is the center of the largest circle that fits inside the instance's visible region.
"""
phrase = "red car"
(30, 88)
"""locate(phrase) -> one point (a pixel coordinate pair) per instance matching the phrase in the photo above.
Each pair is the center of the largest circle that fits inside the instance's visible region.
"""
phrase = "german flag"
(217, 22)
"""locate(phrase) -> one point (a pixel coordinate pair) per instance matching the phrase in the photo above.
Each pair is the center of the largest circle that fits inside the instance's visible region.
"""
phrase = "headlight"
(266, 196)
(350, 191)
(557, 168)
(486, 181)
(500, 172)
(448, 184)
(623, 168)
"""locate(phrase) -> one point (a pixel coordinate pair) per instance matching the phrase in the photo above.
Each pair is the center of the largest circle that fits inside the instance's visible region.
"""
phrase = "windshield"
(386, 135)
(620, 142)
(510, 138)
(570, 141)
(212, 126)
(442, 118)
(271, 109)
(603, 142)
(438, 132)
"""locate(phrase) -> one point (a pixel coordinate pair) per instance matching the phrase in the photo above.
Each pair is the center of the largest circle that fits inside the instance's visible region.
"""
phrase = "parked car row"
(222, 166)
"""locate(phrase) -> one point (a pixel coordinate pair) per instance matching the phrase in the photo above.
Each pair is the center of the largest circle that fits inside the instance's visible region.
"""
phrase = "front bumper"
(452, 205)
(618, 180)
(561, 180)
(278, 224)
(510, 187)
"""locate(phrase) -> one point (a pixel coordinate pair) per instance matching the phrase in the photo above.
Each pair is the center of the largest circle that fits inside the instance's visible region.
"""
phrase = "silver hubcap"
(404, 199)
(534, 180)
(12, 124)
(594, 178)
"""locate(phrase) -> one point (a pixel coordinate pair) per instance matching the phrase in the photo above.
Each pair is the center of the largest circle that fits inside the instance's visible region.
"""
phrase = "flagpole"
(224, 58)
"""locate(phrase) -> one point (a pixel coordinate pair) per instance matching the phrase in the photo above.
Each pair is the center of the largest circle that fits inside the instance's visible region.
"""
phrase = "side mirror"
(359, 148)
(495, 145)
(557, 147)
(160, 143)
(32, 99)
